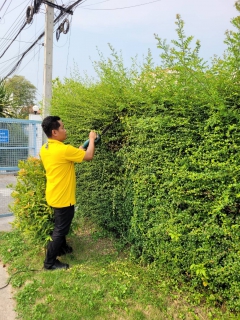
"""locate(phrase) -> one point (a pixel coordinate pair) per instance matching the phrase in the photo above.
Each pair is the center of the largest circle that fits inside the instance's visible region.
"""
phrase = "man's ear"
(54, 133)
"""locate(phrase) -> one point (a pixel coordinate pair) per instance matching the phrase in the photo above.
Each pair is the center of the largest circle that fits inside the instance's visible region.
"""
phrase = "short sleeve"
(74, 154)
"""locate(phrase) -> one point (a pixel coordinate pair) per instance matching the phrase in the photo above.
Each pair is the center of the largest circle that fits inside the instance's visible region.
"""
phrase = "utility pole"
(48, 59)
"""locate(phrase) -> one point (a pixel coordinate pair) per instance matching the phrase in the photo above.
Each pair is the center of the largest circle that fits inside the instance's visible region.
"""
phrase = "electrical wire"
(10, 278)
(12, 31)
(6, 69)
(137, 5)
(38, 67)
(19, 45)
(31, 58)
(14, 26)
(61, 15)
(68, 50)
(17, 40)
(93, 4)
(10, 59)
(23, 26)
(16, 7)
(3, 4)
(7, 9)
(23, 55)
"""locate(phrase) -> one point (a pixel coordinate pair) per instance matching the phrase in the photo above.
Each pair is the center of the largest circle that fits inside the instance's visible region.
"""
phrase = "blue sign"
(4, 135)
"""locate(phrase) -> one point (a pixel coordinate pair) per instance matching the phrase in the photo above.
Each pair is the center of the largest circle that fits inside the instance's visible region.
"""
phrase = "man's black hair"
(50, 123)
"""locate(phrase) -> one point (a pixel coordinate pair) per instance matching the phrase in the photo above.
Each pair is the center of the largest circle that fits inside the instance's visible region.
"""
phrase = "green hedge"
(166, 177)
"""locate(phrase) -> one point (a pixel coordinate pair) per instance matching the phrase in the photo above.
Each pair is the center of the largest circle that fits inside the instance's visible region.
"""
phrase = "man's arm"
(91, 147)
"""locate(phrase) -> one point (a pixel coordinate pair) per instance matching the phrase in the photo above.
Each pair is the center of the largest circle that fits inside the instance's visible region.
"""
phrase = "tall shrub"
(32, 215)
(104, 103)
(165, 177)
(186, 179)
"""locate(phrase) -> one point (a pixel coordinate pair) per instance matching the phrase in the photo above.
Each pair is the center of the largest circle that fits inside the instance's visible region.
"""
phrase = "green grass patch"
(102, 283)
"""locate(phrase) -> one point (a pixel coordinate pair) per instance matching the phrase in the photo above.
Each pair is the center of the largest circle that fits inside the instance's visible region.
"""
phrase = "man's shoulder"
(74, 154)
(43, 147)
(71, 149)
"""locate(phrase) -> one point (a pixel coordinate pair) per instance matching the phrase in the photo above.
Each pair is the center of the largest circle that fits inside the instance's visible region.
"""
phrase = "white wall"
(39, 135)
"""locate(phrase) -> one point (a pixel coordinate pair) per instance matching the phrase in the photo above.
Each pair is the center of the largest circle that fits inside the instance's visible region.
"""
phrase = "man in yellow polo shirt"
(58, 160)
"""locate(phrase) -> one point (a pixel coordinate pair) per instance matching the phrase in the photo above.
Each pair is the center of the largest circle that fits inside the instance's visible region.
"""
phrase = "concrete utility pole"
(48, 59)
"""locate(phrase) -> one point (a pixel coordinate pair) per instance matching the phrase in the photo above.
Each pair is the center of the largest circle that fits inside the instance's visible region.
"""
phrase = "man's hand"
(91, 147)
(92, 135)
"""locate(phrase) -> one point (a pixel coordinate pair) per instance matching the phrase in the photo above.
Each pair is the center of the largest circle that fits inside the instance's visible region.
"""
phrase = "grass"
(102, 283)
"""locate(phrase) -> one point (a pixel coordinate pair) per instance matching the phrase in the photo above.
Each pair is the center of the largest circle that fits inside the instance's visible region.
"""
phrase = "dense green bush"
(165, 178)
(32, 215)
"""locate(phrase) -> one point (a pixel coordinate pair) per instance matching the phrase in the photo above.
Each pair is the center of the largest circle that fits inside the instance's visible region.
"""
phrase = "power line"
(7, 8)
(137, 5)
(23, 55)
(3, 5)
(31, 58)
(23, 26)
(38, 66)
(16, 7)
(61, 15)
(16, 57)
(30, 12)
(10, 33)
(16, 40)
(93, 4)
(68, 52)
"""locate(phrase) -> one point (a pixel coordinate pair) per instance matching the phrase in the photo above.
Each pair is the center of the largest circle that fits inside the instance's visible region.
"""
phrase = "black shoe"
(58, 265)
(65, 250)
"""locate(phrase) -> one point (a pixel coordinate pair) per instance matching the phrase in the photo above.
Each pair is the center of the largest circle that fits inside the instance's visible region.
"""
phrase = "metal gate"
(19, 139)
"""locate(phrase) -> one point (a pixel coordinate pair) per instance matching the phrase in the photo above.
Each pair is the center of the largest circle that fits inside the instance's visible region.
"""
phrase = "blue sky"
(95, 23)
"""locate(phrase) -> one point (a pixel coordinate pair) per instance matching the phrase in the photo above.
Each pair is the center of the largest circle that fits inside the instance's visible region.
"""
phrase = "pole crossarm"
(57, 7)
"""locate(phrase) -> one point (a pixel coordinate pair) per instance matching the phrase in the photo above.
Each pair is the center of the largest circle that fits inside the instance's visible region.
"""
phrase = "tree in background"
(23, 94)
(4, 101)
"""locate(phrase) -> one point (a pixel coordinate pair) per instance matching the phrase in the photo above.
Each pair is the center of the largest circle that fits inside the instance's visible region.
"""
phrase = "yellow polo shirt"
(58, 160)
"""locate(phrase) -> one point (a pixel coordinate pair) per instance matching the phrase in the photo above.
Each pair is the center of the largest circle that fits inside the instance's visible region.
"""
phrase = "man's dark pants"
(62, 222)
